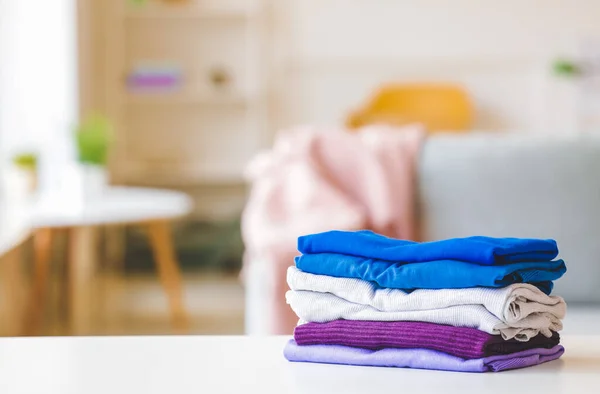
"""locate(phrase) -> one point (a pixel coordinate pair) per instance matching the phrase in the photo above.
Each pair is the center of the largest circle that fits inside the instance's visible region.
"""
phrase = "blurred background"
(127, 129)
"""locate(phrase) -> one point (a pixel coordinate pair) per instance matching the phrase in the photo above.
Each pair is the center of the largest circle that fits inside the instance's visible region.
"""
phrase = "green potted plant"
(566, 68)
(26, 165)
(93, 138)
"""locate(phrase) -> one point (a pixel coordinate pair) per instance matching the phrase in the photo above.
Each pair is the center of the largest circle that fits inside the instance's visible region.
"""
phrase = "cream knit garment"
(519, 311)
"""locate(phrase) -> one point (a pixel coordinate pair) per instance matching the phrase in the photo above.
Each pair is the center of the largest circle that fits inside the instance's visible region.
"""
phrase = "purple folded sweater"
(463, 342)
(417, 358)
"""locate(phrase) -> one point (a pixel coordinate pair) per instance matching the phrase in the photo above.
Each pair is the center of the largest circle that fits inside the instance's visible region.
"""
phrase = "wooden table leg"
(81, 269)
(42, 245)
(115, 247)
(168, 270)
(11, 275)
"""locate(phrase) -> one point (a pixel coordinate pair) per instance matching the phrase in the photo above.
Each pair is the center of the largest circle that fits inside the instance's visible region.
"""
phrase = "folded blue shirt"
(476, 250)
(439, 274)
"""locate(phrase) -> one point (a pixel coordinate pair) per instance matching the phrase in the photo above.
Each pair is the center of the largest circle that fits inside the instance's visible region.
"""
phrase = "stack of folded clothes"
(472, 304)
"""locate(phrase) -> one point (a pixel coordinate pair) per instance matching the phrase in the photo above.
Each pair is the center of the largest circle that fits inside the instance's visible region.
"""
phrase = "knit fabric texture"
(462, 342)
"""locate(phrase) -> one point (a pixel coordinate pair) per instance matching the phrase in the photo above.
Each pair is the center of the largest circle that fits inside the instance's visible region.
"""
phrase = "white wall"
(38, 72)
(338, 51)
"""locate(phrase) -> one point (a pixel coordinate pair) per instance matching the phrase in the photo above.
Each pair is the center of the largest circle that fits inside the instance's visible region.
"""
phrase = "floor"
(136, 305)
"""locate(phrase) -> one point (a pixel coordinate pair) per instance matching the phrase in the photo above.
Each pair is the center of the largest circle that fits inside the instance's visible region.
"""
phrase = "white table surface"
(14, 225)
(115, 205)
(205, 364)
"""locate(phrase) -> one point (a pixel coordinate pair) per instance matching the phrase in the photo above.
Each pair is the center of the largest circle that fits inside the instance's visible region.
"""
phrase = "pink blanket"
(316, 180)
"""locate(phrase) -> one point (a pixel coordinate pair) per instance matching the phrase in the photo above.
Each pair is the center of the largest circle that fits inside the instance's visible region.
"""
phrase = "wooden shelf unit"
(231, 125)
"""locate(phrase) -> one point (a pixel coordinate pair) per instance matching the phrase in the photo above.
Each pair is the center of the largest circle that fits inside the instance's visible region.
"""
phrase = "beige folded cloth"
(519, 311)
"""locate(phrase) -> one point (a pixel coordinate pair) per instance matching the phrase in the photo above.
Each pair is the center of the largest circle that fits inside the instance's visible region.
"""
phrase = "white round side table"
(151, 208)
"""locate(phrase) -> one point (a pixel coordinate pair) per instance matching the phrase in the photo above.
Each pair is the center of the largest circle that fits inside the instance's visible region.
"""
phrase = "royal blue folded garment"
(476, 250)
(440, 274)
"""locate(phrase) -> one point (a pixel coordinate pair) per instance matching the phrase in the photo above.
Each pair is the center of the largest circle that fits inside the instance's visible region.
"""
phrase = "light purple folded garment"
(417, 358)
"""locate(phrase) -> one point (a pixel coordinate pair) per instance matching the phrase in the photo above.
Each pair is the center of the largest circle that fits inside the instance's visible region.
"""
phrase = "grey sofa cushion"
(511, 185)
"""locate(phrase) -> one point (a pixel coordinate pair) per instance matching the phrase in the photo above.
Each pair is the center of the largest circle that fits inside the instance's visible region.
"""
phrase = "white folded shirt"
(519, 311)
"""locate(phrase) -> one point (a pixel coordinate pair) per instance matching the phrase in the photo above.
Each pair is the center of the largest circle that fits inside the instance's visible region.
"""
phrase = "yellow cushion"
(439, 107)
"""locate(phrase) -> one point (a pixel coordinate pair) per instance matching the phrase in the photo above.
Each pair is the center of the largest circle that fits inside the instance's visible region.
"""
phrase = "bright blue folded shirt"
(475, 250)
(439, 274)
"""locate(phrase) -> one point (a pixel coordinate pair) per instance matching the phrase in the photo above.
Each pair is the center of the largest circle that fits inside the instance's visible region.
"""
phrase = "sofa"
(497, 184)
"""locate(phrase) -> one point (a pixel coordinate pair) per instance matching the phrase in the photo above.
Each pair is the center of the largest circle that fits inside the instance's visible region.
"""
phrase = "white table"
(14, 226)
(116, 205)
(204, 364)
(152, 208)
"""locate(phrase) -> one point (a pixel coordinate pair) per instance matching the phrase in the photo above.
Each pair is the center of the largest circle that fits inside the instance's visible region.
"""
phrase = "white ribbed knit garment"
(519, 311)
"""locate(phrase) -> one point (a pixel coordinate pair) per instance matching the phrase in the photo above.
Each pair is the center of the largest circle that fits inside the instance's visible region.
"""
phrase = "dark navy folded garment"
(475, 250)
(439, 274)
